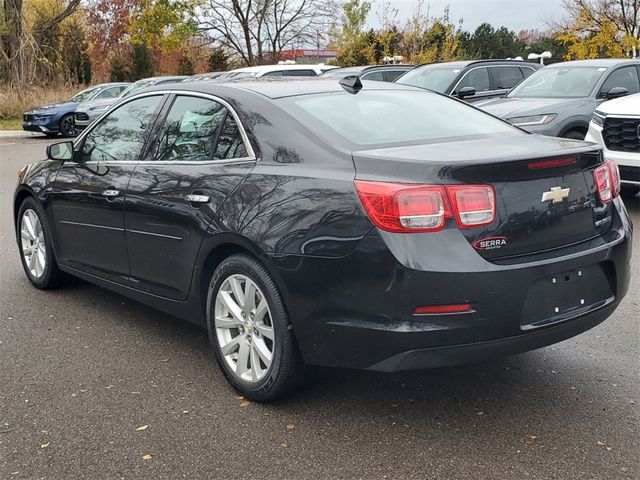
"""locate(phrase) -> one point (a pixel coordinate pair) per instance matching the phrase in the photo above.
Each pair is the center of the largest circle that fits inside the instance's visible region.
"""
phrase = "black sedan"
(320, 223)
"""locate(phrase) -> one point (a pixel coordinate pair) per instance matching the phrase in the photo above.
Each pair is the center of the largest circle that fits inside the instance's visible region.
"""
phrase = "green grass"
(10, 124)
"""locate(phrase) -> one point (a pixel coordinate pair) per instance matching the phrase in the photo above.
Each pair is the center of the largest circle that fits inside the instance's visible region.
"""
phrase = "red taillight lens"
(403, 208)
(474, 205)
(398, 207)
(615, 177)
(442, 309)
(607, 179)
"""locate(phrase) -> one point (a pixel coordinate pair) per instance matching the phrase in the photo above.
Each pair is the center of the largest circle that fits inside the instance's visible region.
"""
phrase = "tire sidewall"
(245, 265)
(62, 132)
(47, 277)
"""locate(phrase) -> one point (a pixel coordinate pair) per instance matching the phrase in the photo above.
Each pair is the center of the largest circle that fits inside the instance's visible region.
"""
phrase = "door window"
(275, 73)
(477, 78)
(111, 92)
(120, 135)
(377, 76)
(625, 77)
(299, 73)
(506, 77)
(392, 75)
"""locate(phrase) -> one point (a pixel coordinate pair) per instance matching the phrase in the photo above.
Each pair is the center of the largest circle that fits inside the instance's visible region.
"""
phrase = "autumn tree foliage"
(601, 28)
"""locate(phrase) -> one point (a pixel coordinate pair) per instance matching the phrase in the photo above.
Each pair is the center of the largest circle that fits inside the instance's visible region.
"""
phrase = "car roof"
(284, 66)
(275, 87)
(596, 62)
(468, 63)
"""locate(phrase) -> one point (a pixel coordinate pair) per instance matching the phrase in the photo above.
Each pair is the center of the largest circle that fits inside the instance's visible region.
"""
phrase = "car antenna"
(351, 84)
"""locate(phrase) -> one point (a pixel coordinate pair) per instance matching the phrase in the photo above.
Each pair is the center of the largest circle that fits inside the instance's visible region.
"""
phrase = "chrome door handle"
(193, 198)
(110, 192)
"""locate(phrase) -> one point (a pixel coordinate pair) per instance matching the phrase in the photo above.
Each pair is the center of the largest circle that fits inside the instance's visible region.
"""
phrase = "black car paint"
(345, 283)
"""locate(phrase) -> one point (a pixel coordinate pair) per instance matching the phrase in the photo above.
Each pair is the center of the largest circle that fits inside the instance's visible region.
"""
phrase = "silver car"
(87, 112)
(559, 100)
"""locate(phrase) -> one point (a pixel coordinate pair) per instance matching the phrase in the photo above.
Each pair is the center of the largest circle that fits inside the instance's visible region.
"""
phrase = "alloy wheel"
(69, 126)
(34, 250)
(244, 328)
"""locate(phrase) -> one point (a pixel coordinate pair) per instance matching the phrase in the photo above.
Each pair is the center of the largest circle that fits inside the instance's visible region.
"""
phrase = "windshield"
(85, 95)
(556, 82)
(136, 87)
(341, 72)
(384, 117)
(438, 79)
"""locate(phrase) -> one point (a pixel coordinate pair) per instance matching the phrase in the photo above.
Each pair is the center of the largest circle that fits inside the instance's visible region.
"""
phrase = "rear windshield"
(386, 117)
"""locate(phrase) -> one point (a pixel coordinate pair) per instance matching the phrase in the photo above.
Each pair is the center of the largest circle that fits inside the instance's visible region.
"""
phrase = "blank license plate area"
(564, 295)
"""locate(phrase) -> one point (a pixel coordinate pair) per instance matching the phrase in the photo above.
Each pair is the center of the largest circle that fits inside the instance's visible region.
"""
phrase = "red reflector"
(557, 162)
(436, 309)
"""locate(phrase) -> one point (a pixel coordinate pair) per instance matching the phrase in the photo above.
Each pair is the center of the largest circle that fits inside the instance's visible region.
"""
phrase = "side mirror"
(62, 151)
(616, 92)
(466, 92)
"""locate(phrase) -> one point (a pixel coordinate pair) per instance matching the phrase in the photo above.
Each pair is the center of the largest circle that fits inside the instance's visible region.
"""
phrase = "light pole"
(539, 56)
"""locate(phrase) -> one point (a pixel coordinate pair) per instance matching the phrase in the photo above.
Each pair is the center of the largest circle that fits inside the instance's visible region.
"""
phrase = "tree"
(186, 66)
(355, 47)
(487, 42)
(141, 62)
(119, 71)
(257, 31)
(601, 28)
(218, 61)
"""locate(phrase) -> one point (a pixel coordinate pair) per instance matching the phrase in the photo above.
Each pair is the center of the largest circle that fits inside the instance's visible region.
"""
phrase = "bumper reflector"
(442, 309)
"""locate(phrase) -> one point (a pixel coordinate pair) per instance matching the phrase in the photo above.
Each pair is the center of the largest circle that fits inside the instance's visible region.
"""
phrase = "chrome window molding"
(251, 157)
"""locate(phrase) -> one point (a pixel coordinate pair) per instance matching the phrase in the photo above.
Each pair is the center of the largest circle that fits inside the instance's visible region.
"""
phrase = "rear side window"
(392, 75)
(299, 73)
(277, 73)
(625, 77)
(230, 144)
(526, 71)
(477, 78)
(377, 76)
(506, 77)
(388, 117)
(190, 130)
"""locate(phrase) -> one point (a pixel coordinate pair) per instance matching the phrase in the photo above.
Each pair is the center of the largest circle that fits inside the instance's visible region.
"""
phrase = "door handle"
(194, 198)
(111, 192)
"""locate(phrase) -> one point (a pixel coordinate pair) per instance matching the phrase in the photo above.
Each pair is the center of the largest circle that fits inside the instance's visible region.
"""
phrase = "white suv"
(282, 70)
(616, 126)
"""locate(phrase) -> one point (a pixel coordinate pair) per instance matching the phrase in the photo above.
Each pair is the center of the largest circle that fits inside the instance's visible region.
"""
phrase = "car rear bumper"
(358, 311)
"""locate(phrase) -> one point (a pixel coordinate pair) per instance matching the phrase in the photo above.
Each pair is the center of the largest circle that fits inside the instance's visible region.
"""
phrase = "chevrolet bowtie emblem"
(555, 195)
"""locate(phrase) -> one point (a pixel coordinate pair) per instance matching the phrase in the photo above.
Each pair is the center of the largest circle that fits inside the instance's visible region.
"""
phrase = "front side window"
(625, 77)
(299, 73)
(477, 78)
(84, 95)
(377, 76)
(112, 92)
(275, 73)
(120, 135)
(390, 117)
(438, 79)
(392, 75)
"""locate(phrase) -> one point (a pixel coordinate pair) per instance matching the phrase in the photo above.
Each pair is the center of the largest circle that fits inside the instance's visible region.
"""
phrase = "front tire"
(574, 135)
(68, 126)
(250, 332)
(35, 245)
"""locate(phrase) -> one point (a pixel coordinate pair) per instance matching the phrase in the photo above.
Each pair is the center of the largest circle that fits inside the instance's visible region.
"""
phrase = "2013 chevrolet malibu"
(319, 222)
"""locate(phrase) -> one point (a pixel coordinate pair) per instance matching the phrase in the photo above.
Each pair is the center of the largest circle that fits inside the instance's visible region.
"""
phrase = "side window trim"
(162, 115)
(79, 141)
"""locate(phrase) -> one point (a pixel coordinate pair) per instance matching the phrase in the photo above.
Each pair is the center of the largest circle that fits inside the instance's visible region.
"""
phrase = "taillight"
(474, 205)
(607, 179)
(404, 208)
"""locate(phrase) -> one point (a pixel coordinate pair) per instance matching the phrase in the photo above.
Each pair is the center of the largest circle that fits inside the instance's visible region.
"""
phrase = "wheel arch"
(20, 196)
(579, 126)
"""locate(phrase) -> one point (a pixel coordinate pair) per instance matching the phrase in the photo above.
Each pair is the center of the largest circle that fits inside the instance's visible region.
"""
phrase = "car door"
(200, 154)
(89, 192)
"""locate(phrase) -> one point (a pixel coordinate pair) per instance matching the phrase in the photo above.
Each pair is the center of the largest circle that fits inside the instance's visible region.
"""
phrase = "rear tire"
(629, 191)
(35, 246)
(250, 332)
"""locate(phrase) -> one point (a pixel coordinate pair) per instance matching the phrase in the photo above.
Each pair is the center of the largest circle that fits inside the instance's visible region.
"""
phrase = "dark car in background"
(471, 81)
(382, 73)
(88, 111)
(310, 222)
(560, 99)
(59, 119)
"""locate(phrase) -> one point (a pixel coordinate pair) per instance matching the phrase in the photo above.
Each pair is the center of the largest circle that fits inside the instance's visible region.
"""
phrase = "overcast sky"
(514, 14)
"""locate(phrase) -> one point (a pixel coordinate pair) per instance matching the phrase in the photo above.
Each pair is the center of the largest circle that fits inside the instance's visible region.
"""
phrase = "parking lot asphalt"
(95, 386)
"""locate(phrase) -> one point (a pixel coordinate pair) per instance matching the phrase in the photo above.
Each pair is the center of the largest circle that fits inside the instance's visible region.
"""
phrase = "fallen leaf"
(530, 439)
(45, 445)
(479, 413)
(600, 444)
(284, 445)
(147, 456)
(245, 404)
(142, 428)
(290, 426)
